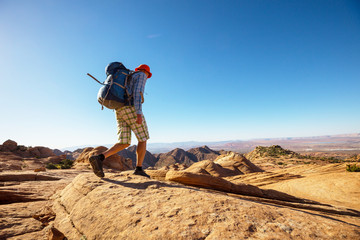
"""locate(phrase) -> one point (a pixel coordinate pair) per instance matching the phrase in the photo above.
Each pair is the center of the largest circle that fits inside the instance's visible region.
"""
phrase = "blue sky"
(222, 70)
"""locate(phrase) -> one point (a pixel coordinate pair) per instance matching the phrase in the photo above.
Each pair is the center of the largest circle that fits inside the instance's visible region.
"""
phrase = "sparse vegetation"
(51, 166)
(355, 158)
(325, 159)
(275, 151)
(64, 164)
(352, 168)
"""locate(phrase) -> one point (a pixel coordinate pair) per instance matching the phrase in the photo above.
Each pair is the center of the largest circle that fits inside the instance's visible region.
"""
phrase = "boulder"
(10, 145)
(211, 168)
(220, 184)
(41, 152)
(54, 234)
(237, 162)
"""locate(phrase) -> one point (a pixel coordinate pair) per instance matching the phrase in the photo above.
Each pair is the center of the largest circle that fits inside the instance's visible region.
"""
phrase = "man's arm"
(139, 89)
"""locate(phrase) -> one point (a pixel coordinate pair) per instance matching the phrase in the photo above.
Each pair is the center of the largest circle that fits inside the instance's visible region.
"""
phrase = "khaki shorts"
(126, 122)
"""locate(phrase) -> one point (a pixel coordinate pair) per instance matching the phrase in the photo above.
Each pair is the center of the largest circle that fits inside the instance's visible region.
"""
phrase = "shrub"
(352, 168)
(50, 166)
(64, 164)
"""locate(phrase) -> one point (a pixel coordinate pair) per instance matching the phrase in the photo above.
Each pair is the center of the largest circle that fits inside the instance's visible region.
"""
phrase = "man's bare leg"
(140, 153)
(115, 149)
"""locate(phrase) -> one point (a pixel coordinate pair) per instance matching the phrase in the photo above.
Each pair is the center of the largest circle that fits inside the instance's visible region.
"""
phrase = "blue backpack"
(114, 94)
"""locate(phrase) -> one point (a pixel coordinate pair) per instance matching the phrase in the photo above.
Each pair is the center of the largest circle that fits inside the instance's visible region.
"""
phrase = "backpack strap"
(123, 87)
(119, 85)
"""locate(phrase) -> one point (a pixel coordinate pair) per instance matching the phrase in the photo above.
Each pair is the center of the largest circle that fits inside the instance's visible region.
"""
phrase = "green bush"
(352, 168)
(51, 166)
(275, 151)
(64, 164)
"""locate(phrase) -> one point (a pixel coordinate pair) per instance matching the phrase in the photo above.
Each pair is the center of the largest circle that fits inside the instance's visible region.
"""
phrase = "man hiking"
(129, 118)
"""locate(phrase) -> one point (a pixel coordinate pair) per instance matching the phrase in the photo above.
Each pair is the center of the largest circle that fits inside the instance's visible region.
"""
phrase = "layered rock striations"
(25, 202)
(123, 206)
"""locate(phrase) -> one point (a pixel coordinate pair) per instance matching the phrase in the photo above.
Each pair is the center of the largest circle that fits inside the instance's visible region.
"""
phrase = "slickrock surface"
(123, 206)
(25, 202)
(330, 184)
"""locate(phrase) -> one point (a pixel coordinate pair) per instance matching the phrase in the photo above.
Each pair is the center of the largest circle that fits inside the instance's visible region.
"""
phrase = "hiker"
(129, 118)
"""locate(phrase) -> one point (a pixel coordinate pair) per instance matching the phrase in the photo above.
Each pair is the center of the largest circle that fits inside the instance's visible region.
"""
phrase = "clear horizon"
(221, 69)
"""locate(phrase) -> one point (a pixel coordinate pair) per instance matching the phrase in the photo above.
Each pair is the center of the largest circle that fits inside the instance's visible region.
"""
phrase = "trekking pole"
(95, 78)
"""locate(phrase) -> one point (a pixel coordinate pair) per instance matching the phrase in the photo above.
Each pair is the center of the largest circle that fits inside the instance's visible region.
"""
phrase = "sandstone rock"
(25, 208)
(211, 168)
(58, 152)
(55, 234)
(188, 158)
(133, 207)
(55, 159)
(10, 145)
(237, 162)
(33, 163)
(231, 164)
(41, 152)
(330, 184)
(157, 174)
(204, 153)
(10, 161)
(176, 166)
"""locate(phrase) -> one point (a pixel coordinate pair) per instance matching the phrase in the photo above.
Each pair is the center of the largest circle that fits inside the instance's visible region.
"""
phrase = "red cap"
(144, 67)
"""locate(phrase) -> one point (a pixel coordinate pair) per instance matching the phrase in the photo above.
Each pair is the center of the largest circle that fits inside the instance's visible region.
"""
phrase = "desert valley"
(269, 192)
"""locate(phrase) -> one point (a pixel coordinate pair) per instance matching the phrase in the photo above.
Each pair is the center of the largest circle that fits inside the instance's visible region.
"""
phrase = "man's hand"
(138, 118)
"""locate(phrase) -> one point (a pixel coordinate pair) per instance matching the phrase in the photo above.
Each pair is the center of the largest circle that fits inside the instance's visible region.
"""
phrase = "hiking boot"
(140, 172)
(96, 165)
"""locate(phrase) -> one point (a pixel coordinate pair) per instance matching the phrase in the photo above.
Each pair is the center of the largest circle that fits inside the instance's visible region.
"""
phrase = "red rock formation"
(188, 158)
(9, 145)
